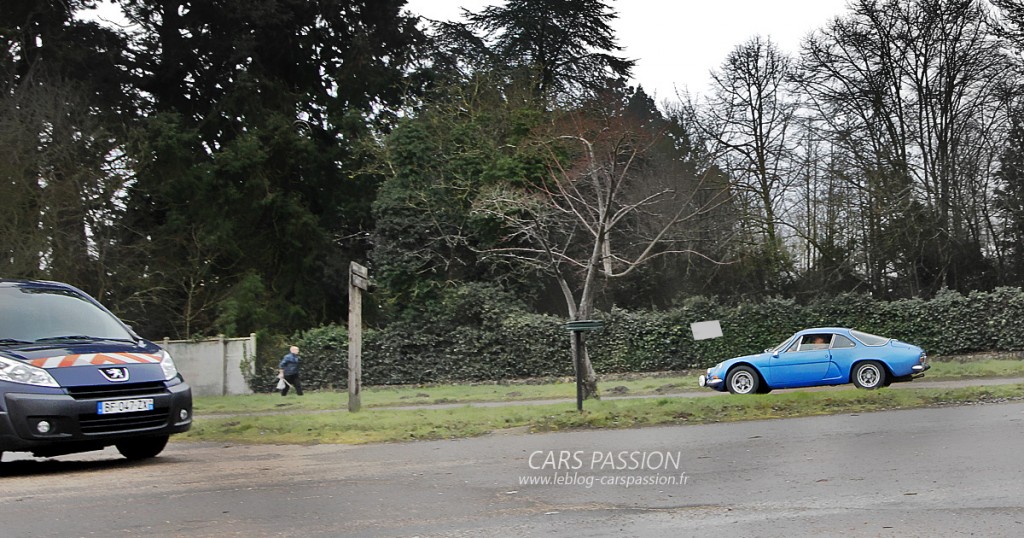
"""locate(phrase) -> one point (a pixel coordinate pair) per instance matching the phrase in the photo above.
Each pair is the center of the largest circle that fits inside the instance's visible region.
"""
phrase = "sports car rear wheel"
(869, 375)
(742, 380)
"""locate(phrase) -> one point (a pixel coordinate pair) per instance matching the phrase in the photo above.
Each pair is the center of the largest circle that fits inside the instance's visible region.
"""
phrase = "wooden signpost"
(358, 282)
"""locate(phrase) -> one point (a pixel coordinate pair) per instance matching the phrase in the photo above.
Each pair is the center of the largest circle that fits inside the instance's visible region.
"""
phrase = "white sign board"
(703, 330)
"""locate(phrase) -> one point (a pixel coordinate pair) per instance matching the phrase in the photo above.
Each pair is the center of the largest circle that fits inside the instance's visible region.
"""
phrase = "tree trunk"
(589, 375)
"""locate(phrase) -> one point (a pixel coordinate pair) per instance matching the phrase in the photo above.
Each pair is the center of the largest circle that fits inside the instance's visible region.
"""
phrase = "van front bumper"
(52, 424)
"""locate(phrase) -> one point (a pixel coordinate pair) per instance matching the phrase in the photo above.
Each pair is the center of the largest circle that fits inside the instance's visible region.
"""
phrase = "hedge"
(478, 335)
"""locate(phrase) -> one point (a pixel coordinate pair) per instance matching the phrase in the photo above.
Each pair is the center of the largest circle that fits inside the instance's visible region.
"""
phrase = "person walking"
(289, 371)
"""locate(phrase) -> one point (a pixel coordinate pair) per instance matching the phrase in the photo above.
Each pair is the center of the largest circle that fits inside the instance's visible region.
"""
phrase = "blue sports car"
(823, 356)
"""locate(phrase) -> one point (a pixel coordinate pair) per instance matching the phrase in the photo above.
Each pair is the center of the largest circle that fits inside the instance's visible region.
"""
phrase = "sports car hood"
(745, 358)
(748, 358)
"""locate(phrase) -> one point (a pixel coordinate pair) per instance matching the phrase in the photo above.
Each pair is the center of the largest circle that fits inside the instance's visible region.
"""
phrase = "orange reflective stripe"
(109, 359)
(95, 359)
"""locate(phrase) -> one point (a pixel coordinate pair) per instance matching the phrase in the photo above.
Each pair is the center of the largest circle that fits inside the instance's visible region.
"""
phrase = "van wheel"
(143, 447)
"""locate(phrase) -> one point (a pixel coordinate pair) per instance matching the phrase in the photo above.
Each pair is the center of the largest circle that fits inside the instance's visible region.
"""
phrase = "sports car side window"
(815, 341)
(842, 342)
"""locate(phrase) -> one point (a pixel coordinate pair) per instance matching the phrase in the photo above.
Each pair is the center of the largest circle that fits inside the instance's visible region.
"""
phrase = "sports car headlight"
(26, 374)
(167, 363)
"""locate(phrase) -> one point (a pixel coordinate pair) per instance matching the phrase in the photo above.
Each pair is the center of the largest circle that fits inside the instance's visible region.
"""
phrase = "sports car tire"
(742, 380)
(869, 375)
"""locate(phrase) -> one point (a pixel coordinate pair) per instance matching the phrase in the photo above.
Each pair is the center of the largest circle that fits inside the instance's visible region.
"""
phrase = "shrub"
(480, 333)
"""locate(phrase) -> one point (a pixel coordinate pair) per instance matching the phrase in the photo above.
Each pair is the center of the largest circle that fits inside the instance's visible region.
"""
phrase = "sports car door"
(803, 363)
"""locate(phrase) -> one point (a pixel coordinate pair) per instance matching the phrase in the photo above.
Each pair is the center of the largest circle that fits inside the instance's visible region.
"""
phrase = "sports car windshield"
(780, 347)
(33, 314)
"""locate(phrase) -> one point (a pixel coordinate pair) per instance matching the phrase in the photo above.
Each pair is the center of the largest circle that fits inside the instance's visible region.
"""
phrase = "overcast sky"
(676, 42)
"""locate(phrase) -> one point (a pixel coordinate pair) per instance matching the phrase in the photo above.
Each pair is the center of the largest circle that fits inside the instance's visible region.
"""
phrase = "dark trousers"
(292, 381)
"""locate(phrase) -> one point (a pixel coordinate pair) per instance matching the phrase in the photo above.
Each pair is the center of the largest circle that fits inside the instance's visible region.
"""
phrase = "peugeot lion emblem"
(115, 374)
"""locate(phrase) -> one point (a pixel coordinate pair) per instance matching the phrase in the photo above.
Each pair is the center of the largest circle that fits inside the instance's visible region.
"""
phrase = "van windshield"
(33, 314)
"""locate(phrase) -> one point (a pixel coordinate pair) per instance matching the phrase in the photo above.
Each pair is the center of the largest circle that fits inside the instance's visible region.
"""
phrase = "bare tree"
(62, 182)
(599, 214)
(912, 92)
(23, 239)
(749, 118)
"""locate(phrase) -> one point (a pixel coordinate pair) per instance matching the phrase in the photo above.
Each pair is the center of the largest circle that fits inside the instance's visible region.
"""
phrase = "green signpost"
(578, 327)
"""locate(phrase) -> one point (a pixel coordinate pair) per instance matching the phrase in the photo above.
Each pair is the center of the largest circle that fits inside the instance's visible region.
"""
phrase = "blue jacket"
(290, 364)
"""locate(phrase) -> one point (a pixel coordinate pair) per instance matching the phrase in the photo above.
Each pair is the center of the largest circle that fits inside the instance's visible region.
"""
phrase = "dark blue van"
(74, 378)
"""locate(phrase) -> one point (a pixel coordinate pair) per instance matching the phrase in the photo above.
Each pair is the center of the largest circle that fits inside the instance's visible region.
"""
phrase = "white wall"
(213, 367)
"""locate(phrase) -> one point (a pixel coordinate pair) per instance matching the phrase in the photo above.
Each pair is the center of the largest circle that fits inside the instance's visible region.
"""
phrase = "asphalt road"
(952, 471)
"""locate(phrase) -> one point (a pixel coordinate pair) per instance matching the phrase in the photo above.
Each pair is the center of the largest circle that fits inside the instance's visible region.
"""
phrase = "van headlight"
(167, 363)
(26, 374)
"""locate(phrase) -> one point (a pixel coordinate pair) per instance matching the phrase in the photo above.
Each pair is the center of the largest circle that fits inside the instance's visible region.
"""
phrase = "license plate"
(124, 406)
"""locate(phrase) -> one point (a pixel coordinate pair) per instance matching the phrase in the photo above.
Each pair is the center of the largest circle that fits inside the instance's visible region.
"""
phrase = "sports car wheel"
(869, 375)
(742, 380)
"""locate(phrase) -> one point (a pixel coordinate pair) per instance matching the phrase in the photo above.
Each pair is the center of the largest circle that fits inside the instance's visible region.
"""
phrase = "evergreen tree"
(1010, 199)
(251, 194)
(567, 46)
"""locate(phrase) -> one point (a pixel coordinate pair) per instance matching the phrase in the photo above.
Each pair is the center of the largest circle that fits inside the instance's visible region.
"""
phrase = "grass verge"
(391, 425)
(956, 369)
(374, 397)
(442, 394)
